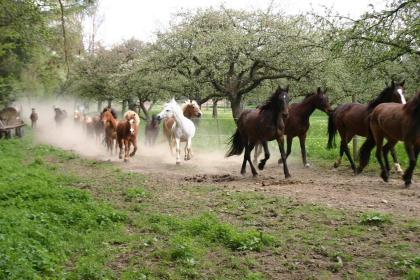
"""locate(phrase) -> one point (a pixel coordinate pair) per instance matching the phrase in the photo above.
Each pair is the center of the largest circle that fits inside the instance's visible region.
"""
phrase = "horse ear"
(392, 83)
(402, 83)
(325, 90)
(318, 90)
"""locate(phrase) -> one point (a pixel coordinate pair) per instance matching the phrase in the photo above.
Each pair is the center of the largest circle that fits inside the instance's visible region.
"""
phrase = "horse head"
(321, 101)
(398, 91)
(106, 116)
(169, 110)
(133, 119)
(282, 100)
(191, 109)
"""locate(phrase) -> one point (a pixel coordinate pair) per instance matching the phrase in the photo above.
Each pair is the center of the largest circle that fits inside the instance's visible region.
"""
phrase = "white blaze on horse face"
(131, 126)
(400, 92)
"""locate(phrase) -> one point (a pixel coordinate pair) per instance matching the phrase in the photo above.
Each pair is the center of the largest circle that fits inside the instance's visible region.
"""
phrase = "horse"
(151, 131)
(33, 117)
(98, 128)
(395, 122)
(259, 126)
(127, 131)
(190, 110)
(352, 119)
(78, 117)
(60, 115)
(183, 128)
(110, 124)
(297, 124)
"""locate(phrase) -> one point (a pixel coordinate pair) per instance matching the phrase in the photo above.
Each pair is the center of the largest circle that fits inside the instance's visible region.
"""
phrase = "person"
(34, 118)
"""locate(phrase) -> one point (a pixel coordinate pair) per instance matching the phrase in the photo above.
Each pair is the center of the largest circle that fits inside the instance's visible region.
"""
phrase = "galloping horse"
(190, 110)
(259, 126)
(127, 131)
(60, 115)
(182, 130)
(297, 124)
(352, 119)
(110, 125)
(395, 122)
(151, 131)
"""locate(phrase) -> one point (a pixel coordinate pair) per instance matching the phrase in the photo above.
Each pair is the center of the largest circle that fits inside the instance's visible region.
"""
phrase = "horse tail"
(237, 146)
(365, 150)
(332, 131)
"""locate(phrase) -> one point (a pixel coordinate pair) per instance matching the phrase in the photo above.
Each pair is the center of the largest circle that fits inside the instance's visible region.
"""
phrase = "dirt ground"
(337, 188)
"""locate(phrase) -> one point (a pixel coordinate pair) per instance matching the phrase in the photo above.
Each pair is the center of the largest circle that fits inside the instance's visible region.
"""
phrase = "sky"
(125, 19)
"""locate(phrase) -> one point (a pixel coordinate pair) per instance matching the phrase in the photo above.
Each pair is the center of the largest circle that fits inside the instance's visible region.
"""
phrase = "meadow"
(66, 217)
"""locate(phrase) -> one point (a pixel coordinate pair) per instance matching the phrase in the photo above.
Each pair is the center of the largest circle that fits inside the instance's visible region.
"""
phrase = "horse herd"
(388, 116)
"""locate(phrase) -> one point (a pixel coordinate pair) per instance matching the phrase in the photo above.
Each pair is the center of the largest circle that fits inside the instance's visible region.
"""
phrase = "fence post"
(355, 148)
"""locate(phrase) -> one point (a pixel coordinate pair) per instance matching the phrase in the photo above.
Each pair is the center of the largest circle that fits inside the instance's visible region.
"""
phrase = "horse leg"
(243, 168)
(178, 152)
(302, 140)
(134, 148)
(388, 146)
(412, 155)
(384, 171)
(346, 150)
(126, 149)
(280, 142)
(397, 166)
(257, 152)
(120, 145)
(189, 151)
(266, 155)
(289, 148)
(248, 150)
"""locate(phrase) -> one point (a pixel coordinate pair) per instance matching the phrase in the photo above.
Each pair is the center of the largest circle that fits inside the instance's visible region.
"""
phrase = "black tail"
(365, 150)
(332, 131)
(237, 146)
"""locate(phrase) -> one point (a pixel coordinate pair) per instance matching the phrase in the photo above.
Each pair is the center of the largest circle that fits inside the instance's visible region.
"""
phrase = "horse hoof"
(307, 165)
(178, 163)
(407, 184)
(261, 166)
(126, 160)
(254, 174)
(384, 176)
(287, 176)
(243, 172)
(335, 165)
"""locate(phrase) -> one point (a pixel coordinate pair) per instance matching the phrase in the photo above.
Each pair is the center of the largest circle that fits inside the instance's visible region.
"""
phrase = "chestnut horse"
(110, 124)
(297, 124)
(259, 126)
(127, 131)
(395, 122)
(352, 119)
(190, 110)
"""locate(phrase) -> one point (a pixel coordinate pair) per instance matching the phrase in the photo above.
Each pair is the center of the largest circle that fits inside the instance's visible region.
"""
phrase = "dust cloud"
(72, 136)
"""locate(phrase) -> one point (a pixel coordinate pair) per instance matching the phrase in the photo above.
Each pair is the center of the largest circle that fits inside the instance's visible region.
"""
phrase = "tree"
(237, 51)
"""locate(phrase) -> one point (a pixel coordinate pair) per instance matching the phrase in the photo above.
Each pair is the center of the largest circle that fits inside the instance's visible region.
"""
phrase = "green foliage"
(373, 218)
(43, 221)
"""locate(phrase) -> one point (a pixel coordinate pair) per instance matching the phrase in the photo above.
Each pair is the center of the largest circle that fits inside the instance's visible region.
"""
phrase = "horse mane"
(132, 115)
(379, 99)
(272, 101)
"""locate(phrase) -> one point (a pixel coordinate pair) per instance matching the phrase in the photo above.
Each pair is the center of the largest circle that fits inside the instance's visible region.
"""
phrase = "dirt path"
(333, 188)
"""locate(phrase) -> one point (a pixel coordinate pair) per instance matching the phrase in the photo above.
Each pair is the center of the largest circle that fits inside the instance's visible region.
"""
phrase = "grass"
(62, 216)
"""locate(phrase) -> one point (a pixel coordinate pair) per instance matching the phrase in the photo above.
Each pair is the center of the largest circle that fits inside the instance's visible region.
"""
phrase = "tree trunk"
(145, 111)
(109, 102)
(215, 108)
(124, 106)
(235, 105)
(99, 105)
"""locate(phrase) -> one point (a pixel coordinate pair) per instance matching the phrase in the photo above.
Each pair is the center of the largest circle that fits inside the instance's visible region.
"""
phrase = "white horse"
(183, 128)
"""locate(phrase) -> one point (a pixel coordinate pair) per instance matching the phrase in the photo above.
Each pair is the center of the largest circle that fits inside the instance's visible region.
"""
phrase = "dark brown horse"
(190, 110)
(297, 124)
(395, 122)
(352, 119)
(151, 131)
(259, 126)
(60, 115)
